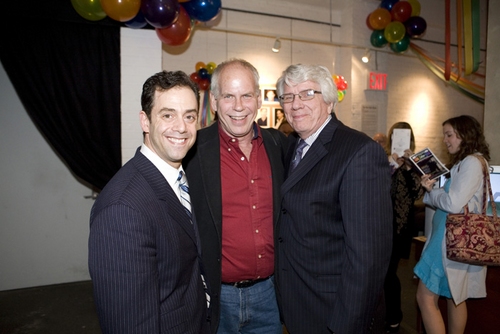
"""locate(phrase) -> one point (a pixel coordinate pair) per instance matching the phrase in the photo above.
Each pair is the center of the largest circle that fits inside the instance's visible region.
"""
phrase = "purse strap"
(486, 185)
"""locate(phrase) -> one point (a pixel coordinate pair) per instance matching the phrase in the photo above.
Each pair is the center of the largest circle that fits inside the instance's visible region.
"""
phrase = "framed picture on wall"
(269, 95)
(264, 118)
(278, 117)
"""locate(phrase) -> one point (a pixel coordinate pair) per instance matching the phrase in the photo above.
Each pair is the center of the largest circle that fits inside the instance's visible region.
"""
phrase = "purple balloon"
(202, 10)
(160, 13)
(415, 26)
(137, 22)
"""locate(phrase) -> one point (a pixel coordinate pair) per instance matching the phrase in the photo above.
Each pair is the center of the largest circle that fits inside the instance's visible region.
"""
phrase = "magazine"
(427, 163)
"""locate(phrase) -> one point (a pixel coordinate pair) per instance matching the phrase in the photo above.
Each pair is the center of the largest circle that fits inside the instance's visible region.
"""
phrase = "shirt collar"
(310, 140)
(170, 173)
(228, 139)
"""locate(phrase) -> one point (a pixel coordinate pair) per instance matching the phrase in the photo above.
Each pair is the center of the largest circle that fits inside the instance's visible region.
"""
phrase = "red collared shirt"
(247, 210)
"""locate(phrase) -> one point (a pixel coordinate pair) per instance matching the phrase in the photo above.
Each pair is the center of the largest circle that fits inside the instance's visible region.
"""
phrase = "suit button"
(280, 239)
(283, 211)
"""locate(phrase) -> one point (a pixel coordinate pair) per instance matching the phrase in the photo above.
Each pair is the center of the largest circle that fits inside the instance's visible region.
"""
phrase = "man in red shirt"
(235, 171)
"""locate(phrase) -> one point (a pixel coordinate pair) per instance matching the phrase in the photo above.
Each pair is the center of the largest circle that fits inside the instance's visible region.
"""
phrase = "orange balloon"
(199, 65)
(380, 18)
(121, 10)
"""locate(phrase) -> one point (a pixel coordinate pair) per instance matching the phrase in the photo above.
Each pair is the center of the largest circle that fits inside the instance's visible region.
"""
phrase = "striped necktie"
(298, 154)
(186, 201)
(184, 191)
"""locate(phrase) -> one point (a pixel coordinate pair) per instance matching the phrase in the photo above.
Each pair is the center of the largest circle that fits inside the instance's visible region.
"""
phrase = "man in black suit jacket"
(334, 236)
(144, 252)
(235, 171)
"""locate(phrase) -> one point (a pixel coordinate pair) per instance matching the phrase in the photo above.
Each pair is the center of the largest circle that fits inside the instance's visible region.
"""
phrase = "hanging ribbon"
(447, 41)
(468, 36)
(475, 34)
(464, 86)
(206, 113)
(459, 38)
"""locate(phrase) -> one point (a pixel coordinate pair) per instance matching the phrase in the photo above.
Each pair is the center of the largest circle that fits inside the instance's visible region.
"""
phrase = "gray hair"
(215, 88)
(296, 74)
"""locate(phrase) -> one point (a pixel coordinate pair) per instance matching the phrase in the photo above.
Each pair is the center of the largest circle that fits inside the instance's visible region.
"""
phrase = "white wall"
(140, 58)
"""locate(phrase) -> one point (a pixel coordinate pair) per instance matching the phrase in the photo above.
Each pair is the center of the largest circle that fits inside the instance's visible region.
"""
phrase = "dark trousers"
(392, 291)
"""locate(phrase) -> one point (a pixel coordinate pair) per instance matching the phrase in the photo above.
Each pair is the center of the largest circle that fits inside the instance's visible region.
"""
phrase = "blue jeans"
(252, 310)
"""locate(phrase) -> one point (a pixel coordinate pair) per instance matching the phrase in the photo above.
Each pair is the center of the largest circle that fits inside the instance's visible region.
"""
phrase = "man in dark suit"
(144, 252)
(236, 170)
(334, 237)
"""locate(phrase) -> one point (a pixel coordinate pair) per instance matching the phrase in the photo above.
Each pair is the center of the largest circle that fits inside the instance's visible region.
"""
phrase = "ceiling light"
(366, 58)
(277, 45)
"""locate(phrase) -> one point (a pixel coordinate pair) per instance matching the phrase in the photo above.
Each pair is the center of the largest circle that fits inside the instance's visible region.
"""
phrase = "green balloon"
(89, 9)
(394, 32)
(402, 45)
(377, 38)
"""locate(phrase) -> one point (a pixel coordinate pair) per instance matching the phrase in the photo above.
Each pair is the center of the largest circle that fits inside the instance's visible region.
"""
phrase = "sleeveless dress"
(430, 268)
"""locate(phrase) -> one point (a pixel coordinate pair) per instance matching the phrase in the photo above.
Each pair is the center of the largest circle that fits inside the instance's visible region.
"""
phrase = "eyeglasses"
(305, 95)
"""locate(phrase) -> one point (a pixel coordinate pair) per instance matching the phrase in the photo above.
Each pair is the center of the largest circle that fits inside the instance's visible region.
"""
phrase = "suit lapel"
(209, 153)
(274, 154)
(164, 193)
(314, 155)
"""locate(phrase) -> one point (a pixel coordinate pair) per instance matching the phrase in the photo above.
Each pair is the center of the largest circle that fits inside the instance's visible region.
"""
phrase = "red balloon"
(204, 84)
(342, 85)
(177, 33)
(401, 11)
(195, 77)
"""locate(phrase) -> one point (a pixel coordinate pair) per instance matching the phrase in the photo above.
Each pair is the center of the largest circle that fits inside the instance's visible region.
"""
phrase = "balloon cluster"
(203, 74)
(341, 84)
(395, 22)
(173, 20)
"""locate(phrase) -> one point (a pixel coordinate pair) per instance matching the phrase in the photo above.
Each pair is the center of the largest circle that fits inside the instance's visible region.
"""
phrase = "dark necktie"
(298, 154)
(184, 191)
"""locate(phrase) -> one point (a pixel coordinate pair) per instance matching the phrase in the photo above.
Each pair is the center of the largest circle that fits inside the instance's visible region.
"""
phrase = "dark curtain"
(66, 72)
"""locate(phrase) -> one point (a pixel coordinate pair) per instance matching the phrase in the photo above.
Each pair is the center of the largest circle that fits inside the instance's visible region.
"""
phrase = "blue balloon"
(388, 4)
(160, 13)
(203, 73)
(202, 10)
(137, 22)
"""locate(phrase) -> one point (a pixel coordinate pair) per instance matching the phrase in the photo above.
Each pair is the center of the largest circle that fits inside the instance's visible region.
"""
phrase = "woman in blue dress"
(464, 139)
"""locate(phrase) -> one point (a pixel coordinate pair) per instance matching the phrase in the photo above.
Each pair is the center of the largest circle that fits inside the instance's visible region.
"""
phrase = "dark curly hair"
(471, 133)
(163, 81)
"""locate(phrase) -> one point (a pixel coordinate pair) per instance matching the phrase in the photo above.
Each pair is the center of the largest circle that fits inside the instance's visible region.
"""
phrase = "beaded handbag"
(474, 238)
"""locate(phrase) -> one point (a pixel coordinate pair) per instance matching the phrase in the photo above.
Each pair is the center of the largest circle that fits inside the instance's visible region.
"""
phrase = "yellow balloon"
(340, 95)
(211, 67)
(89, 9)
(415, 7)
(394, 32)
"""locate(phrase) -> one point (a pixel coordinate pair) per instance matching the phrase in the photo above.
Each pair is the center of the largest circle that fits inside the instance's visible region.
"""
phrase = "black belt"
(246, 283)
